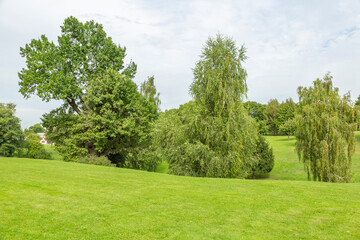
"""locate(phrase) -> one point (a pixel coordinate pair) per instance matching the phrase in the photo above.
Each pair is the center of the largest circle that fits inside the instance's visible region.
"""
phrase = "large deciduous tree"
(11, 136)
(325, 131)
(102, 113)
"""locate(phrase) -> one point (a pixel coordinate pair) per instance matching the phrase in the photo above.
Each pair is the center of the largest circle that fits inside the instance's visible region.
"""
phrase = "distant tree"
(148, 90)
(255, 110)
(270, 115)
(34, 148)
(37, 128)
(288, 128)
(213, 135)
(325, 131)
(11, 136)
(285, 113)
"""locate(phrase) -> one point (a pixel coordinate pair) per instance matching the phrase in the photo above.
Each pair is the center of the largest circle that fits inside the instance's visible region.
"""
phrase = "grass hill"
(42, 199)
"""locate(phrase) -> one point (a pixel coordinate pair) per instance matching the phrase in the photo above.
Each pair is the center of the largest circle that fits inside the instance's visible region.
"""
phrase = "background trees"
(325, 131)
(11, 136)
(102, 111)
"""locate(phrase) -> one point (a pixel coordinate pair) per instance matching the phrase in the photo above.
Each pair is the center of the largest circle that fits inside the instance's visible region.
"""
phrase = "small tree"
(288, 128)
(11, 136)
(270, 115)
(263, 158)
(325, 131)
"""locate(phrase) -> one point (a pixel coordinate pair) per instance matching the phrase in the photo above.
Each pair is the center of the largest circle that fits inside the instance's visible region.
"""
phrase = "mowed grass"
(41, 199)
(287, 164)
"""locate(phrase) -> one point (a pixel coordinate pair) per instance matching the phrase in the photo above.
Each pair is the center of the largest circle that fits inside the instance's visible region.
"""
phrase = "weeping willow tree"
(325, 131)
(212, 135)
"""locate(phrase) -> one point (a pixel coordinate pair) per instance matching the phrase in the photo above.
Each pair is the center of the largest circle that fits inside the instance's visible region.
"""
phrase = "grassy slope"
(287, 165)
(57, 200)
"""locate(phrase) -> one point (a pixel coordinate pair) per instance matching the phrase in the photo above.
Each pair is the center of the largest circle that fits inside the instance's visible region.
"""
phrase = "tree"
(288, 128)
(102, 111)
(117, 122)
(255, 110)
(37, 128)
(325, 131)
(11, 136)
(213, 135)
(286, 112)
(270, 115)
(263, 156)
(34, 148)
(148, 90)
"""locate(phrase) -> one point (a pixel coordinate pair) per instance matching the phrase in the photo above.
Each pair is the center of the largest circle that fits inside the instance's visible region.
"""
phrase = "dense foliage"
(213, 135)
(263, 158)
(34, 149)
(11, 136)
(103, 114)
(325, 131)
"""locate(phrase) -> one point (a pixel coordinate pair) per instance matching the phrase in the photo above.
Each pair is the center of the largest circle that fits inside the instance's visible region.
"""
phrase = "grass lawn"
(42, 199)
(287, 165)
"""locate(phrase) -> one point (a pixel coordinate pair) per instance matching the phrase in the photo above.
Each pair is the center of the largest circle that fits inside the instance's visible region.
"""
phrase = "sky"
(289, 43)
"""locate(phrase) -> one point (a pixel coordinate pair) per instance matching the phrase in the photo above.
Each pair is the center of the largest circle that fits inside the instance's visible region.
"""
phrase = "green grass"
(54, 154)
(42, 199)
(287, 165)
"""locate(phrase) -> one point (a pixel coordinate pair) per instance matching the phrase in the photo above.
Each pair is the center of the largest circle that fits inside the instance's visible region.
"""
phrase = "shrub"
(35, 148)
(95, 160)
(263, 158)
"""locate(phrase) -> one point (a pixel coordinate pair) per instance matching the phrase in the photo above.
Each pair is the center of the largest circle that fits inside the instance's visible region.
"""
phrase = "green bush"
(144, 160)
(95, 160)
(263, 158)
(34, 148)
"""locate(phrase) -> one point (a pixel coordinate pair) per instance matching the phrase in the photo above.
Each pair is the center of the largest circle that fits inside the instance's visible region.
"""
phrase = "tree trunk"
(253, 175)
(288, 137)
(92, 150)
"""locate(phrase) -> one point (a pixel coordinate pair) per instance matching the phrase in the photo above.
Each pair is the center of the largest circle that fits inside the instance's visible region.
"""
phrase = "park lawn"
(41, 199)
(287, 165)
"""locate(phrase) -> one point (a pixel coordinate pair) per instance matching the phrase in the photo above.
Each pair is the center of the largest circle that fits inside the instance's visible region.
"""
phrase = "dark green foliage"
(325, 131)
(34, 148)
(212, 136)
(95, 160)
(11, 136)
(264, 158)
(255, 110)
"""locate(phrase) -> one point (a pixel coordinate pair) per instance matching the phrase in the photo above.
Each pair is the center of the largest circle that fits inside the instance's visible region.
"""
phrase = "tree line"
(106, 119)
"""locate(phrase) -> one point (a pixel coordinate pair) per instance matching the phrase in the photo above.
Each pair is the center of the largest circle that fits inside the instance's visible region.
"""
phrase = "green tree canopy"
(148, 90)
(36, 128)
(270, 115)
(11, 136)
(102, 113)
(325, 131)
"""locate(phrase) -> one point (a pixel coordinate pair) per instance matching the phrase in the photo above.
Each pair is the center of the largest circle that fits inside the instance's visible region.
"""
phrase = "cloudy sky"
(289, 43)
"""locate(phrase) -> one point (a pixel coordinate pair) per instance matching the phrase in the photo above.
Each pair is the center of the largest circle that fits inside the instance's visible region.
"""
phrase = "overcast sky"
(289, 43)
